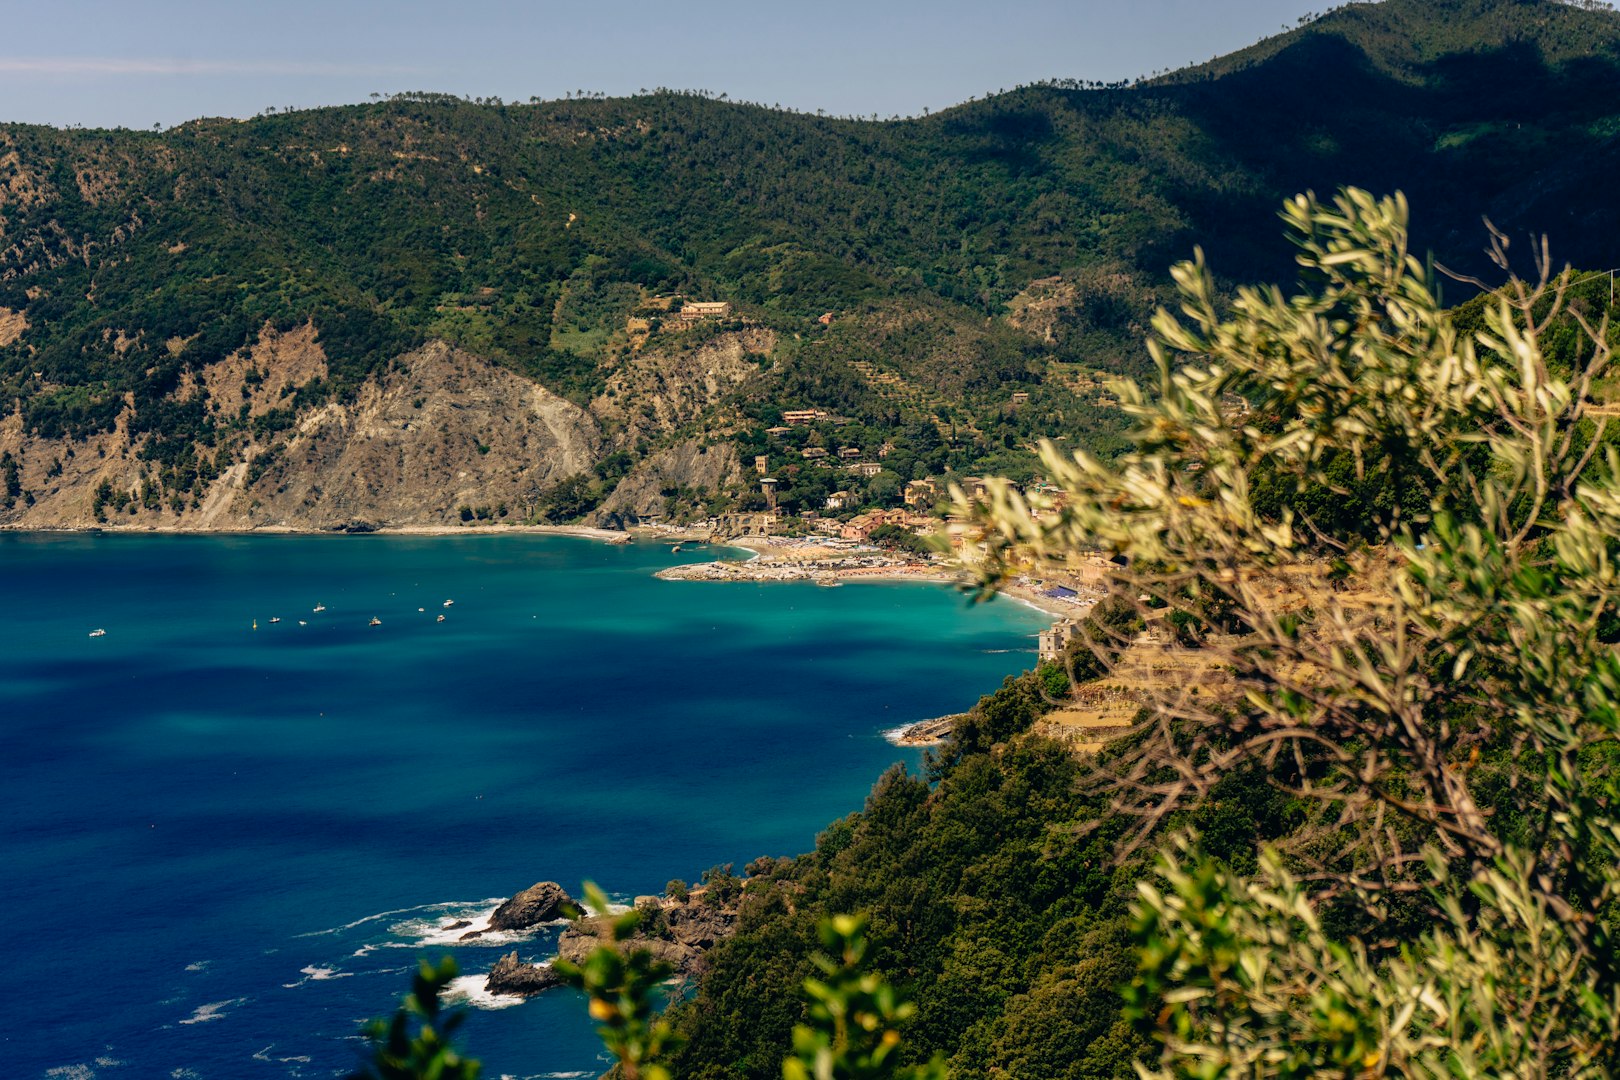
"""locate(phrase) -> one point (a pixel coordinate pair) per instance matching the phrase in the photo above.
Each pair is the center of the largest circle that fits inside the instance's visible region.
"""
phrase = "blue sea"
(227, 839)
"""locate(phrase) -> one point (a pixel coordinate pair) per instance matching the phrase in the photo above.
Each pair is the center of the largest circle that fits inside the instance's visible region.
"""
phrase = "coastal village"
(830, 500)
(852, 535)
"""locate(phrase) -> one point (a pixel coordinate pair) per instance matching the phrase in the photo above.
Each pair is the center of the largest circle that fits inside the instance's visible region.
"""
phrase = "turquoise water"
(225, 846)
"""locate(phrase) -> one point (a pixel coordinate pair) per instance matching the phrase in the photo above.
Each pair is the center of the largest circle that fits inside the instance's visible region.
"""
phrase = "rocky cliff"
(440, 435)
(689, 466)
(659, 391)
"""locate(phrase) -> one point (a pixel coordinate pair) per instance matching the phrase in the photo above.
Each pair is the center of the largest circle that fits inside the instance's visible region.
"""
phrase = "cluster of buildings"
(860, 526)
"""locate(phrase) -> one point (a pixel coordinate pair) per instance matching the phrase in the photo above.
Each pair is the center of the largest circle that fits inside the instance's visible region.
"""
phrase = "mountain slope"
(1000, 242)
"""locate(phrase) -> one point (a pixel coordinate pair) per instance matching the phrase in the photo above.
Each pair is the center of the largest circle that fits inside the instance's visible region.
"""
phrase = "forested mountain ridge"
(1019, 239)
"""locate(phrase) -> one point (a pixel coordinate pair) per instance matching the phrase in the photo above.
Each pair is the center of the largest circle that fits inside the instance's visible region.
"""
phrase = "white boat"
(320, 607)
(374, 621)
(439, 619)
(275, 618)
(98, 633)
(449, 603)
(302, 622)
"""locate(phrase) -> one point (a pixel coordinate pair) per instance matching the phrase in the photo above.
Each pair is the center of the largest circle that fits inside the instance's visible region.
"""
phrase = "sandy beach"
(606, 535)
(835, 562)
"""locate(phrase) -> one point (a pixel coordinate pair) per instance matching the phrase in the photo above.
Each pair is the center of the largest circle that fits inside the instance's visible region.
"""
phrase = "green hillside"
(529, 234)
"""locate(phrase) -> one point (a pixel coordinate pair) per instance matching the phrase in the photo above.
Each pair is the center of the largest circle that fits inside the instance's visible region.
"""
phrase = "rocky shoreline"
(925, 732)
(679, 931)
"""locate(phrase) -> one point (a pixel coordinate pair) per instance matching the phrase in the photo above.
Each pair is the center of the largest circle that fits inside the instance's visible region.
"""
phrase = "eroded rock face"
(661, 390)
(542, 902)
(512, 976)
(440, 429)
(692, 463)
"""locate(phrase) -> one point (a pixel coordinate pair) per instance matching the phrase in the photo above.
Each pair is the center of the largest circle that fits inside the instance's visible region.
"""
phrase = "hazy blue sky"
(136, 62)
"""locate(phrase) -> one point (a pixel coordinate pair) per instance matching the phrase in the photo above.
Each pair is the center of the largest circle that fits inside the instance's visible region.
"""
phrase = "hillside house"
(921, 492)
(814, 453)
(860, 527)
(1054, 643)
(707, 309)
(867, 469)
(797, 417)
(838, 500)
(849, 453)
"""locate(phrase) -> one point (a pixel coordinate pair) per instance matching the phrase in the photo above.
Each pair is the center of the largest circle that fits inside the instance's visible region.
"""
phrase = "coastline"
(772, 559)
(605, 535)
(932, 732)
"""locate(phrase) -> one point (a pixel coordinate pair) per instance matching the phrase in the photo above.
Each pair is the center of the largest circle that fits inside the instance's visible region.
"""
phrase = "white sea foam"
(469, 989)
(444, 909)
(214, 1010)
(71, 1072)
(894, 735)
(397, 911)
(317, 974)
(198, 965)
(295, 1059)
(440, 929)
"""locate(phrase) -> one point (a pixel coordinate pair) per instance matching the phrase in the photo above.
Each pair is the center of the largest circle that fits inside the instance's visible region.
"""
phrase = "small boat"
(98, 633)
(439, 619)
(421, 609)
(255, 624)
(319, 607)
(275, 618)
(449, 603)
(302, 622)
(374, 621)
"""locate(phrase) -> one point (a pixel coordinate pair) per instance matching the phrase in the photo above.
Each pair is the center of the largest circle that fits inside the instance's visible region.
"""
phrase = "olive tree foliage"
(1430, 677)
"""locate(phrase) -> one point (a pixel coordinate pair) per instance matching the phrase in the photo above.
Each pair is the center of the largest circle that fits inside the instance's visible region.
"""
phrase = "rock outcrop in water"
(542, 902)
(679, 932)
(512, 976)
